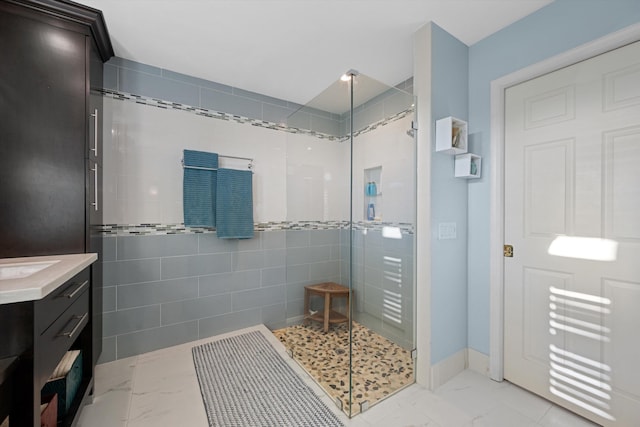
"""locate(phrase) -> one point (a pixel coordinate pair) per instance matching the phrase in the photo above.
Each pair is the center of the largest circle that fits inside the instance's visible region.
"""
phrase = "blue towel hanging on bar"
(199, 188)
(234, 204)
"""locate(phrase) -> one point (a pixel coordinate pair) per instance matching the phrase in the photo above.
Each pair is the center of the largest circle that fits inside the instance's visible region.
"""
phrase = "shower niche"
(373, 194)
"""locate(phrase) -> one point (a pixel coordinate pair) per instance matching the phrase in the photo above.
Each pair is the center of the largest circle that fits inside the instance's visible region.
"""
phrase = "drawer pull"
(75, 291)
(71, 333)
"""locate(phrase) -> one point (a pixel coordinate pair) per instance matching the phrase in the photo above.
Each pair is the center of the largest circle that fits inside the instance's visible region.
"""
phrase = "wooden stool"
(329, 291)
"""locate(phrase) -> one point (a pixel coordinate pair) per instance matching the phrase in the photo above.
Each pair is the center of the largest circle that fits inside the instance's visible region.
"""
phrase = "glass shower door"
(350, 218)
(382, 223)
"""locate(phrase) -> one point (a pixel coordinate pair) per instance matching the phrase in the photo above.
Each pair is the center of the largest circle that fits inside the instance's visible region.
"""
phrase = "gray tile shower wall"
(164, 285)
(122, 75)
(127, 76)
(163, 290)
(383, 271)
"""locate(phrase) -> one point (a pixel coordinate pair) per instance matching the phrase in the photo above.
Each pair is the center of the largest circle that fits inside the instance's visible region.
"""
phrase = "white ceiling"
(293, 49)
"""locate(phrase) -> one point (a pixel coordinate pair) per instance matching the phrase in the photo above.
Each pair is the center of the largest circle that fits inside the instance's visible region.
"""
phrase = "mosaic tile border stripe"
(383, 122)
(160, 229)
(204, 112)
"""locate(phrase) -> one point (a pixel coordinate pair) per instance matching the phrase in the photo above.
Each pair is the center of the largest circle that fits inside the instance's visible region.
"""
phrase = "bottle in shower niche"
(371, 212)
(372, 189)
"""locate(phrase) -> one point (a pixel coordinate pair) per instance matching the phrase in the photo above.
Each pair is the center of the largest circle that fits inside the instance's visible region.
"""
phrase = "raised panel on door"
(622, 183)
(577, 374)
(621, 354)
(554, 106)
(548, 188)
(622, 88)
(540, 327)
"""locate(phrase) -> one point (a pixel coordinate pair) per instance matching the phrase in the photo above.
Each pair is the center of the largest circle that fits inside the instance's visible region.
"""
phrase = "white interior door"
(572, 215)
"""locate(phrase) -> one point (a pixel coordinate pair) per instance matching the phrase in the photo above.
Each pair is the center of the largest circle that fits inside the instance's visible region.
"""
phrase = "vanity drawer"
(57, 339)
(48, 309)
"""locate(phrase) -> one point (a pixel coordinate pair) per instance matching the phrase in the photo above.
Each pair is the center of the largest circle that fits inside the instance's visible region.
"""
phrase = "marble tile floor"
(160, 388)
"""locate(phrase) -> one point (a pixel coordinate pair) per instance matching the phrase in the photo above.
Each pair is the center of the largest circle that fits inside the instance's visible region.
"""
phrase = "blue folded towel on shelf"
(199, 188)
(234, 204)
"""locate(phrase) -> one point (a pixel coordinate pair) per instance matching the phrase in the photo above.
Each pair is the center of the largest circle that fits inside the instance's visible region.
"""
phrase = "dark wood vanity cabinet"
(41, 332)
(51, 74)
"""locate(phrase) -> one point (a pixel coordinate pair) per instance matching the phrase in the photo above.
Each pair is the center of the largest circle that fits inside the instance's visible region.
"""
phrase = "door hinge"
(508, 251)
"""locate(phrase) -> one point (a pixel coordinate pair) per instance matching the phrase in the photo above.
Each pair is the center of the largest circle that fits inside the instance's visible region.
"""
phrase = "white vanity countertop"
(41, 283)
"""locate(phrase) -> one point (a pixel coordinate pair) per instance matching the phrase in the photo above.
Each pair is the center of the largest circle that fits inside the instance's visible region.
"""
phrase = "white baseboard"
(478, 362)
(446, 369)
(467, 358)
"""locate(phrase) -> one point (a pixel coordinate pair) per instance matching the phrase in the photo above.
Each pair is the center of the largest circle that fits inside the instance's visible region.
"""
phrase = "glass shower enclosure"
(350, 250)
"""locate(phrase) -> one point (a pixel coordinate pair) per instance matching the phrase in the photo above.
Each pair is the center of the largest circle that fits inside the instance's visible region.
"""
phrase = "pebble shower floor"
(380, 367)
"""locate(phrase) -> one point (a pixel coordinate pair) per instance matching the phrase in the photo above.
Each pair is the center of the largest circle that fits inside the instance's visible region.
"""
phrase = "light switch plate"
(447, 230)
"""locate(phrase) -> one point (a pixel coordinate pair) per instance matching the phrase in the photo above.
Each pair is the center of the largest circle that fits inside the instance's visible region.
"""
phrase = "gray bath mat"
(245, 382)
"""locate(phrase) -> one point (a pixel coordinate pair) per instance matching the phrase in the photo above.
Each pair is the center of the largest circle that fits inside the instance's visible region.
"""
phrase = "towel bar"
(249, 166)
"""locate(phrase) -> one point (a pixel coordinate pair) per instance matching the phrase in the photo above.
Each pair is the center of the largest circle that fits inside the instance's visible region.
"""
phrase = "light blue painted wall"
(448, 202)
(556, 28)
